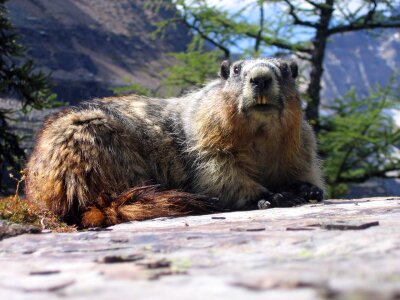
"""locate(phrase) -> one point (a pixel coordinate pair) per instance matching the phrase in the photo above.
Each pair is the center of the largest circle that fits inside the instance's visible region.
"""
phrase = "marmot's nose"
(261, 82)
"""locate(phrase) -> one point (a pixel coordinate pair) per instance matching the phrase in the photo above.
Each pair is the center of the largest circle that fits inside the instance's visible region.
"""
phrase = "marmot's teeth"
(264, 98)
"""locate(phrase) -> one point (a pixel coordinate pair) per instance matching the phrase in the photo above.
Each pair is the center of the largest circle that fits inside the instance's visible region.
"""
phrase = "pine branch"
(364, 131)
(261, 27)
(206, 37)
(368, 175)
(296, 18)
(364, 22)
(358, 27)
(280, 43)
(370, 15)
(315, 4)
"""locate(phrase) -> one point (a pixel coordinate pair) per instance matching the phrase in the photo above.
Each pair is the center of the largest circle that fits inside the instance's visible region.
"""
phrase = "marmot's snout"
(263, 85)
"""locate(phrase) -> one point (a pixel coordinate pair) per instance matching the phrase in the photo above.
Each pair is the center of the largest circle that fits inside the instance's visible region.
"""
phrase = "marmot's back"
(240, 139)
(106, 145)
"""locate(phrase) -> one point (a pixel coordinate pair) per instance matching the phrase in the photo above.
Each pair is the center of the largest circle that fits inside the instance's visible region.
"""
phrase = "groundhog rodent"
(239, 142)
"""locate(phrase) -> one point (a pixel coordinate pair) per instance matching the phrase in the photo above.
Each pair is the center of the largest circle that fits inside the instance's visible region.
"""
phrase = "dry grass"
(22, 211)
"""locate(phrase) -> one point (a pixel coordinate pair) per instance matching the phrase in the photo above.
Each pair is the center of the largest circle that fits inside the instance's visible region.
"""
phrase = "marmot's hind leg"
(87, 152)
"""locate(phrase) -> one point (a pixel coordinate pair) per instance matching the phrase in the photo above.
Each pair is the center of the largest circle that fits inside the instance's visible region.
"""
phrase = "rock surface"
(9, 230)
(339, 249)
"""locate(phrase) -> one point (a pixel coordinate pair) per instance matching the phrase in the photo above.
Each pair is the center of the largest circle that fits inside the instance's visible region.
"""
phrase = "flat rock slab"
(339, 249)
(9, 229)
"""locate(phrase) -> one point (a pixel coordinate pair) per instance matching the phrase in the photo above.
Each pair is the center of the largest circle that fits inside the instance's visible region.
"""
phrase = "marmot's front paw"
(283, 199)
(309, 191)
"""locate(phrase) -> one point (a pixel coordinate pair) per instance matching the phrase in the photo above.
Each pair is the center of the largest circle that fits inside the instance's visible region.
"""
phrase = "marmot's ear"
(224, 70)
(294, 69)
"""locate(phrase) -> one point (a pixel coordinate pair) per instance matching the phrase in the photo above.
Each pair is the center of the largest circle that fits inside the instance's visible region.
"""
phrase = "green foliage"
(228, 29)
(358, 139)
(132, 88)
(192, 69)
(21, 81)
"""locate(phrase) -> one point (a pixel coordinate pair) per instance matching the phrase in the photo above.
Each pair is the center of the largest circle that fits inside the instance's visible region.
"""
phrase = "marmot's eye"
(236, 70)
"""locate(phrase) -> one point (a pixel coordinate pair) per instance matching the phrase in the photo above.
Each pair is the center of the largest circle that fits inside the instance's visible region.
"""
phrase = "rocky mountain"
(91, 45)
(360, 60)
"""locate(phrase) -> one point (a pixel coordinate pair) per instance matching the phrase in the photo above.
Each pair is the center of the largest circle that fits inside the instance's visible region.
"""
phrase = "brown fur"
(95, 164)
(144, 203)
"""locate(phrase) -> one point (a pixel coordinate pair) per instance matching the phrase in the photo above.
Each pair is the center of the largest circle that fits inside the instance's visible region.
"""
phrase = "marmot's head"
(260, 85)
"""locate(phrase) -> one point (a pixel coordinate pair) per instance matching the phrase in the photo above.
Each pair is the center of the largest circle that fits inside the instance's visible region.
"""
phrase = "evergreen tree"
(192, 69)
(18, 79)
(359, 139)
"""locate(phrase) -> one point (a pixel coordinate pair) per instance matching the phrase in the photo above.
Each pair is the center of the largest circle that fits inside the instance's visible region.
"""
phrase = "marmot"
(237, 143)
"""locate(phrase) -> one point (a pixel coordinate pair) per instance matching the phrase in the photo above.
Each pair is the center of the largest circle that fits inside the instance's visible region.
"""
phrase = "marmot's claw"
(283, 199)
(263, 204)
(307, 191)
(313, 193)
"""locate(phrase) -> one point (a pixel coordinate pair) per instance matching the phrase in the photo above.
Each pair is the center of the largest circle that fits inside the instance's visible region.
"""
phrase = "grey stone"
(166, 259)
(8, 229)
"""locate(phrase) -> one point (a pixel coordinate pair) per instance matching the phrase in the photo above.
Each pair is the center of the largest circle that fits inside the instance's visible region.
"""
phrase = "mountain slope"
(90, 45)
(360, 60)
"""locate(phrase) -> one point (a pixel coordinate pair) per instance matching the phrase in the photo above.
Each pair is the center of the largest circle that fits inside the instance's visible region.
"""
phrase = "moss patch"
(21, 211)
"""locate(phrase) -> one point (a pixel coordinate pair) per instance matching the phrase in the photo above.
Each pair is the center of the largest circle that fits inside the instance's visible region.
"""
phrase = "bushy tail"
(144, 203)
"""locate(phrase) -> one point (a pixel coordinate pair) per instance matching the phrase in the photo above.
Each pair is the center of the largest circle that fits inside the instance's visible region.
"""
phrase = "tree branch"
(363, 132)
(361, 26)
(367, 175)
(279, 43)
(261, 27)
(364, 19)
(315, 4)
(270, 40)
(371, 13)
(207, 38)
(364, 22)
(297, 20)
